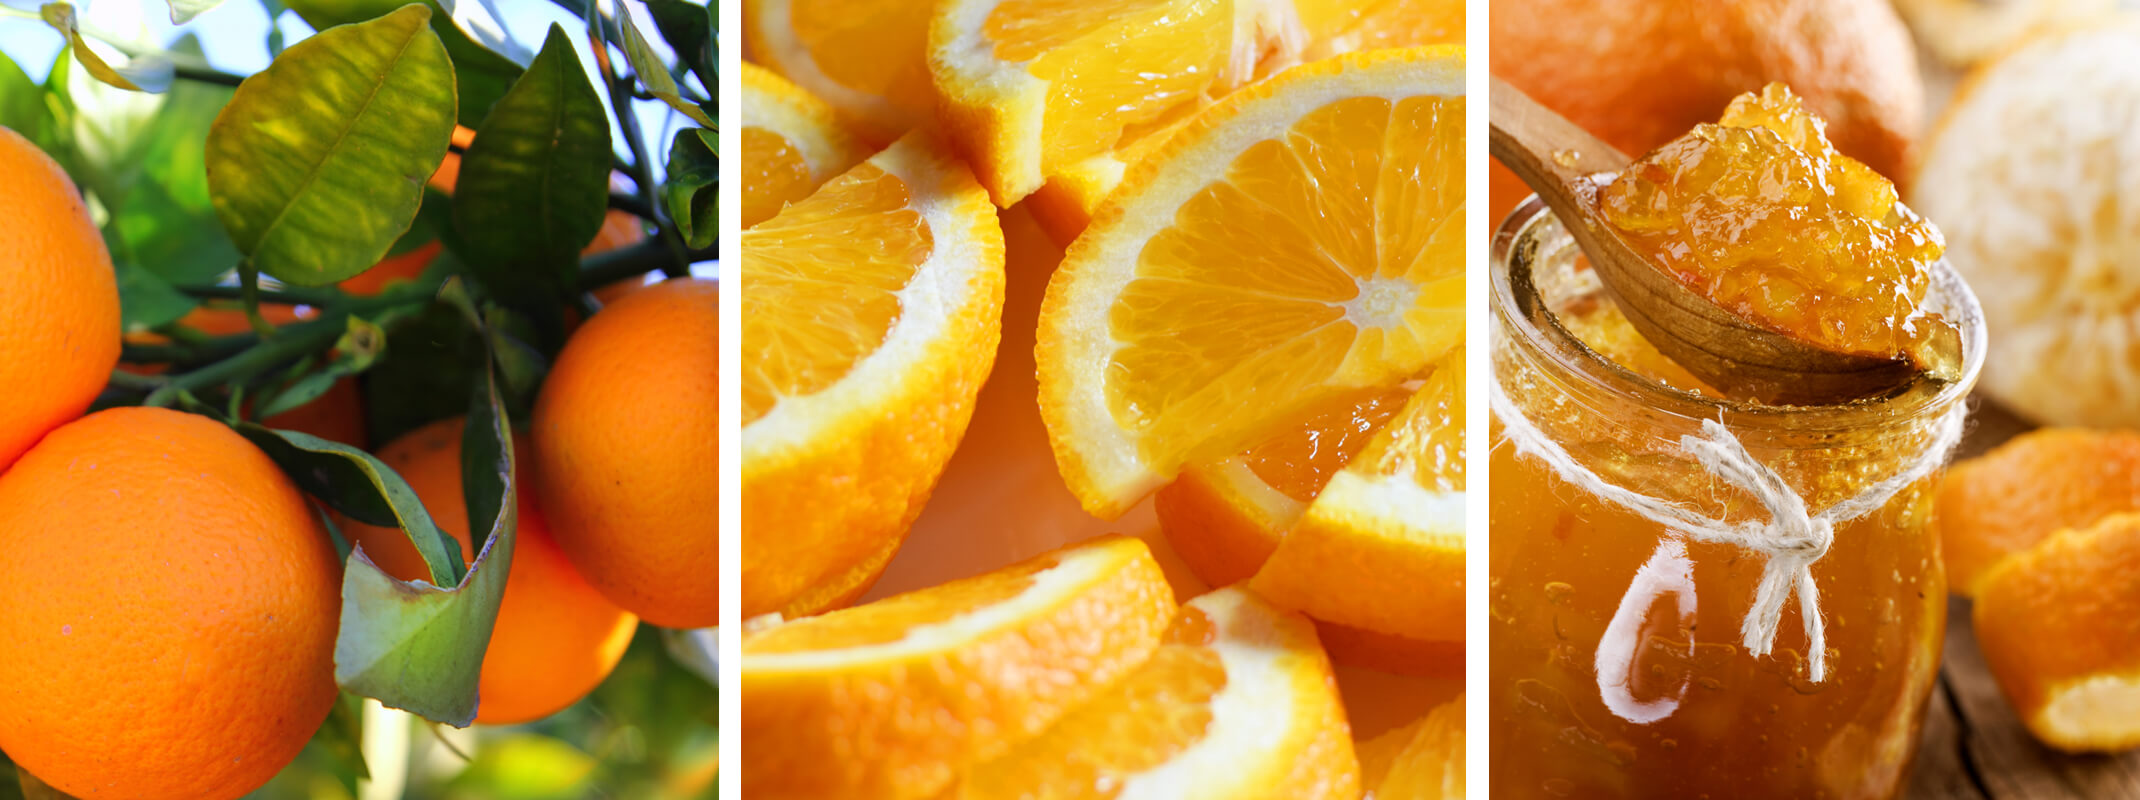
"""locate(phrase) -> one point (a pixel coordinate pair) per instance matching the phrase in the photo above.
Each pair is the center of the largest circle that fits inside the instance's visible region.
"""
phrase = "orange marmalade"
(1761, 215)
(1618, 665)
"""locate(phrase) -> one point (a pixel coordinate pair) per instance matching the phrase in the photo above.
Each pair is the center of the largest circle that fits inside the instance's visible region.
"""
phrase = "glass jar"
(1618, 667)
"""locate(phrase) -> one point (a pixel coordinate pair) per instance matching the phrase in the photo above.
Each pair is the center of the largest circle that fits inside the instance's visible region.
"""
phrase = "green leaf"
(688, 28)
(146, 301)
(653, 74)
(146, 73)
(692, 192)
(22, 103)
(433, 217)
(363, 488)
(535, 184)
(359, 347)
(183, 11)
(482, 74)
(318, 163)
(157, 191)
(527, 767)
(417, 646)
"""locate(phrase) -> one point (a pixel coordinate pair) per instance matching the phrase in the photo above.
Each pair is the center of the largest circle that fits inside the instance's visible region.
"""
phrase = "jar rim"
(1519, 308)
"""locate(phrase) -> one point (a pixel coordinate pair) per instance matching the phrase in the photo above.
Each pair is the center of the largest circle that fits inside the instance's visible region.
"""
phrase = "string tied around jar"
(1791, 538)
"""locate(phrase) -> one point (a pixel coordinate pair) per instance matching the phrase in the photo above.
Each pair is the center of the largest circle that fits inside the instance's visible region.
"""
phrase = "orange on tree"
(171, 604)
(556, 638)
(1639, 73)
(59, 300)
(627, 452)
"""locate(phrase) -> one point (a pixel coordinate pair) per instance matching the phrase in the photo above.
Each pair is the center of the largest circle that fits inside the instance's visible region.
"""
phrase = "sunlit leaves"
(317, 165)
(149, 72)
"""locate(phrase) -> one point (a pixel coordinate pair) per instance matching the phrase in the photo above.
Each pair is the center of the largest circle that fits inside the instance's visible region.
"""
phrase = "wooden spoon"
(1567, 166)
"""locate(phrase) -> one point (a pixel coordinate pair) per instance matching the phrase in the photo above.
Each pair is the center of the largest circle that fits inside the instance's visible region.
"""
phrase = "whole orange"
(627, 452)
(556, 637)
(59, 301)
(171, 605)
(1639, 73)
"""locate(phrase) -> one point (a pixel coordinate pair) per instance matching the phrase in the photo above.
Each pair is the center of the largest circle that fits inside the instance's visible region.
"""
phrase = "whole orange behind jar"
(1619, 666)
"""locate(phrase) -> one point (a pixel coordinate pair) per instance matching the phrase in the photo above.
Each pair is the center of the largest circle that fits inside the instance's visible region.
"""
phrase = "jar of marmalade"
(1619, 667)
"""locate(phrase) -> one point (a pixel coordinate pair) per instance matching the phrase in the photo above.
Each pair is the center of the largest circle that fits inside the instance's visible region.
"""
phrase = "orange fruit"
(865, 58)
(556, 638)
(1032, 87)
(171, 610)
(627, 452)
(1244, 273)
(792, 144)
(1382, 547)
(1423, 760)
(1638, 73)
(2005, 501)
(871, 315)
(2031, 175)
(888, 700)
(1238, 703)
(1072, 192)
(59, 301)
(2060, 627)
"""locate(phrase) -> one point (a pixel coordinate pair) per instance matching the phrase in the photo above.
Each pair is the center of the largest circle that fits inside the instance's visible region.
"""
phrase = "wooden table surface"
(1974, 748)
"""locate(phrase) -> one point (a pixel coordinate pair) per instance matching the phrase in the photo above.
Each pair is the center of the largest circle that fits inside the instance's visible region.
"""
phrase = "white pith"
(948, 282)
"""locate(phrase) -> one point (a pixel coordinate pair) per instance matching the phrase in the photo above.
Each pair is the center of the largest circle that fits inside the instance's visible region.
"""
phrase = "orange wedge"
(872, 310)
(865, 58)
(2005, 501)
(792, 144)
(1072, 191)
(1032, 86)
(1420, 761)
(1298, 242)
(2060, 627)
(887, 700)
(1238, 703)
(1382, 548)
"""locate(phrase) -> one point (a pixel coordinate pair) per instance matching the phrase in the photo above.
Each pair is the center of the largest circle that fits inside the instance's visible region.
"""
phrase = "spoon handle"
(1554, 156)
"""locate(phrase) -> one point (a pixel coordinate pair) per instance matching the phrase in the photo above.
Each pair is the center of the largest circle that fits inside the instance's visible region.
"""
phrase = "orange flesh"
(1300, 461)
(775, 175)
(890, 619)
(1103, 92)
(874, 48)
(1153, 715)
(1760, 214)
(1330, 257)
(822, 288)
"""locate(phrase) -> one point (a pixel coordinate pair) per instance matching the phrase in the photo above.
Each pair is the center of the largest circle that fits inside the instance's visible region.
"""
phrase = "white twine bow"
(1790, 538)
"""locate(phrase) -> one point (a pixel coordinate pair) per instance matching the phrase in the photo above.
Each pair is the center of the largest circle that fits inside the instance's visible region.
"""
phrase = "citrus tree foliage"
(272, 195)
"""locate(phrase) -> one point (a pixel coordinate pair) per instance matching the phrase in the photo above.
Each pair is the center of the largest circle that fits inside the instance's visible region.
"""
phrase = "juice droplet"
(1567, 159)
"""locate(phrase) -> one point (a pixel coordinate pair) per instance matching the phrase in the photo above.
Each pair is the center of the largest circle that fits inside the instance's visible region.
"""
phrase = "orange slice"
(887, 700)
(2060, 627)
(1032, 86)
(2005, 501)
(1382, 548)
(865, 58)
(1238, 703)
(1420, 761)
(1300, 240)
(792, 143)
(871, 315)
(1065, 202)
